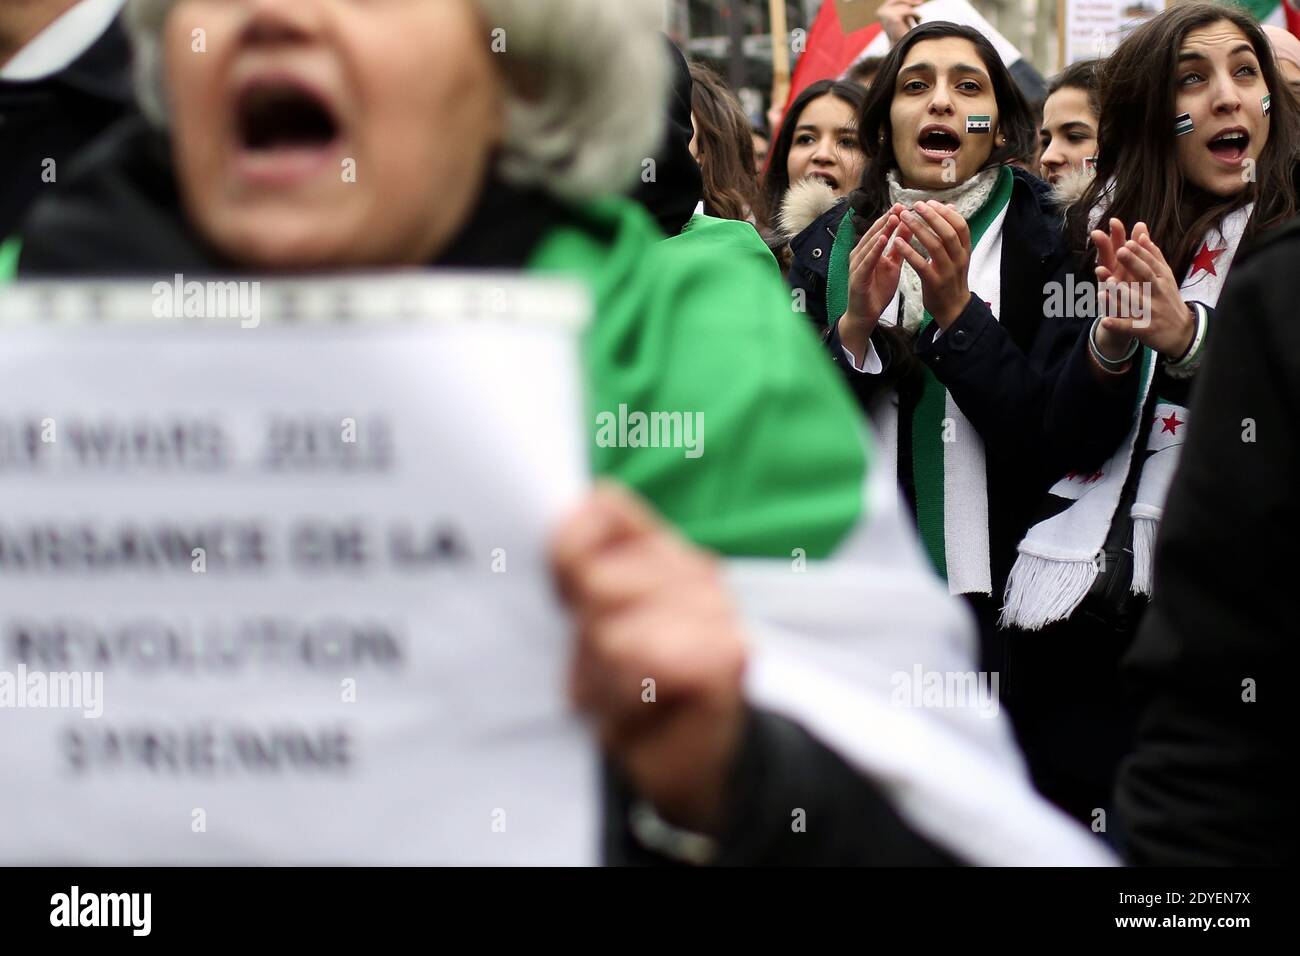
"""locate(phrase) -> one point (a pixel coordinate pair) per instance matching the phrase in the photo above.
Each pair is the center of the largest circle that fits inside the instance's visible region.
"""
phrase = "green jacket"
(702, 323)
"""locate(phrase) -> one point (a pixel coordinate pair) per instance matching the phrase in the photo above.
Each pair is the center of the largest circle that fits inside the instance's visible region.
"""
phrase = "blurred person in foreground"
(63, 80)
(511, 162)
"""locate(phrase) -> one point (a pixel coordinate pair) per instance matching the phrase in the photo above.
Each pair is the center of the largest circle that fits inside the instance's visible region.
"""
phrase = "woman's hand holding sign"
(659, 655)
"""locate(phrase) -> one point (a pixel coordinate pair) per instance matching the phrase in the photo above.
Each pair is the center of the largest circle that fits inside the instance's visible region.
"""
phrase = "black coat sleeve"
(793, 801)
(864, 385)
(1205, 783)
(1042, 404)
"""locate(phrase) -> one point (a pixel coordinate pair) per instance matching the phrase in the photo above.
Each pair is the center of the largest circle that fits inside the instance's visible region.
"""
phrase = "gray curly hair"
(584, 135)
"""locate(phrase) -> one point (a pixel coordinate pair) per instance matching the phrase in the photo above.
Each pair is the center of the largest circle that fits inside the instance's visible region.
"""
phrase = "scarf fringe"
(1144, 549)
(1041, 591)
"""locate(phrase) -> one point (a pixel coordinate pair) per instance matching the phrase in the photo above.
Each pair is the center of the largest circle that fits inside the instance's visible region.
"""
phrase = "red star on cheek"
(1204, 261)
(1171, 423)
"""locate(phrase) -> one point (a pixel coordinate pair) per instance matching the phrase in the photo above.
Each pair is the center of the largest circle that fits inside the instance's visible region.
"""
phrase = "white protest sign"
(275, 591)
(1093, 28)
(954, 11)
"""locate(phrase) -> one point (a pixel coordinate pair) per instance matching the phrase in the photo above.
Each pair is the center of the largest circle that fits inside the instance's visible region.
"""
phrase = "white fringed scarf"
(1060, 558)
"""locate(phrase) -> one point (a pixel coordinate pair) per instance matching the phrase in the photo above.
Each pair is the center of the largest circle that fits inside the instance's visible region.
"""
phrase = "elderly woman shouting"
(324, 135)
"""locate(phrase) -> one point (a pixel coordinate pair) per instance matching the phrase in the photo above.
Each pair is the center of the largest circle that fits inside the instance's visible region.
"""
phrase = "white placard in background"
(954, 11)
(370, 665)
(1093, 28)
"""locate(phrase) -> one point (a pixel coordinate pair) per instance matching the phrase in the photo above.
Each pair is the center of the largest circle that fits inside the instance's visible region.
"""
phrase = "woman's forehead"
(827, 112)
(1069, 102)
(944, 52)
(1221, 37)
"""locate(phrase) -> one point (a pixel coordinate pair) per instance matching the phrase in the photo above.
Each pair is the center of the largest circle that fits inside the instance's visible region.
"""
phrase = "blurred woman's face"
(825, 145)
(1069, 133)
(1219, 91)
(329, 133)
(944, 115)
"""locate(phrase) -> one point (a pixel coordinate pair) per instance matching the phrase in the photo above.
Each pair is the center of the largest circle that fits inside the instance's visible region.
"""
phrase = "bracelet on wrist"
(1190, 361)
(1109, 364)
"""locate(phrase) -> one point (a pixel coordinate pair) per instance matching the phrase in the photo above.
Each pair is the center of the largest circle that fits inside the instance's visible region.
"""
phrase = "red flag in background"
(1289, 7)
(830, 51)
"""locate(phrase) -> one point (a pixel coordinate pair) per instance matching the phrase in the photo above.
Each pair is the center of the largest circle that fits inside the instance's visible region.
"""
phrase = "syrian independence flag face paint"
(1183, 124)
(1090, 163)
(979, 124)
(1268, 102)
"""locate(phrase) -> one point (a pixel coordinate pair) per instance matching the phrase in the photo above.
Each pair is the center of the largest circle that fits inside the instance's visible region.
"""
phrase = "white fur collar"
(1071, 187)
(804, 202)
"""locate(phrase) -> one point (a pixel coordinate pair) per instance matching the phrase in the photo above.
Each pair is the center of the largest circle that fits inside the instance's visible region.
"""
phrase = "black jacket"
(1207, 782)
(54, 117)
(1024, 382)
(121, 215)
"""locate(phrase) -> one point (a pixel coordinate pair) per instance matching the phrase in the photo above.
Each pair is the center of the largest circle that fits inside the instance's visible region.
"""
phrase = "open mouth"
(283, 115)
(1230, 145)
(825, 177)
(938, 142)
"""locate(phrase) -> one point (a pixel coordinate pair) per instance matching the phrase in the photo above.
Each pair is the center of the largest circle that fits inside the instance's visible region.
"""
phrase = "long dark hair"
(1015, 122)
(1137, 146)
(875, 133)
(726, 149)
(777, 180)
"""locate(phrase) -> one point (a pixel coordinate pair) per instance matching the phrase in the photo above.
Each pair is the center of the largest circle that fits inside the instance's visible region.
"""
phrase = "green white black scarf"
(947, 453)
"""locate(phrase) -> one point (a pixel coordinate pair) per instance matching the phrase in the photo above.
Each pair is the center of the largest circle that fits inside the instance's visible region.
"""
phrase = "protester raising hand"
(897, 17)
(1139, 295)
